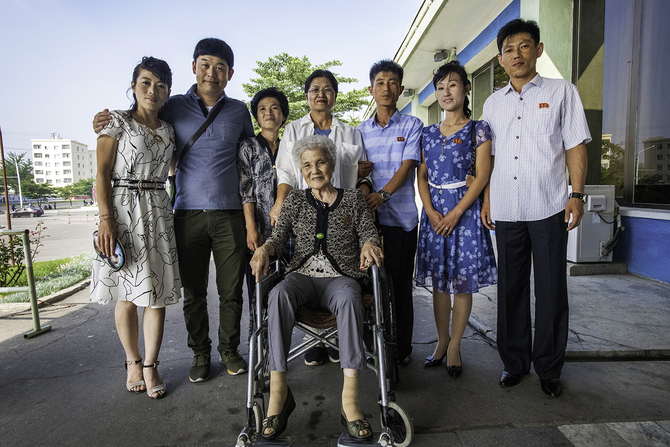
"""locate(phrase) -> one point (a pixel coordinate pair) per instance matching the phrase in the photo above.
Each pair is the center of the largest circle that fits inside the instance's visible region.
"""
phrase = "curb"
(17, 308)
(634, 355)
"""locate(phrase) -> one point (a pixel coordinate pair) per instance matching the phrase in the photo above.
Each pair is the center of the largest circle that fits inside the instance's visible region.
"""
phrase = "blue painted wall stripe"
(513, 11)
(407, 109)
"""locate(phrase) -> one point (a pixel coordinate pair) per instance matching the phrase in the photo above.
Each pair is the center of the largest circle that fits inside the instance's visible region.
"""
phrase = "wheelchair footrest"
(346, 440)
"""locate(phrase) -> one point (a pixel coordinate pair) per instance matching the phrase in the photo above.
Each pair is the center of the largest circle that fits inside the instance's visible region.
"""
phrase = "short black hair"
(386, 65)
(454, 67)
(158, 67)
(212, 46)
(321, 74)
(271, 92)
(517, 26)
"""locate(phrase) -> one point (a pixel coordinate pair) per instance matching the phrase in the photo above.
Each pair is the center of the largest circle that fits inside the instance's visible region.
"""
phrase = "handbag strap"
(210, 118)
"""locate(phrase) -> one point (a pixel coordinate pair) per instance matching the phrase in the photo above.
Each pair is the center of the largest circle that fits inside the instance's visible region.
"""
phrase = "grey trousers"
(340, 295)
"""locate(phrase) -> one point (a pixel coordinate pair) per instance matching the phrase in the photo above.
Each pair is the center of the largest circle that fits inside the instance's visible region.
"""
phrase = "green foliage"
(37, 191)
(613, 174)
(84, 187)
(12, 160)
(60, 277)
(288, 74)
(12, 257)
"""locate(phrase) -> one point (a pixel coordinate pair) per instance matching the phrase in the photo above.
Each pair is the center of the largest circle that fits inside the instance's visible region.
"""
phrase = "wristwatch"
(385, 196)
(578, 195)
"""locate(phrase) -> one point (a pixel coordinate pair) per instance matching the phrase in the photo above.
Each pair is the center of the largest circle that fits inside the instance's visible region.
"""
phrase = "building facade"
(613, 51)
(60, 162)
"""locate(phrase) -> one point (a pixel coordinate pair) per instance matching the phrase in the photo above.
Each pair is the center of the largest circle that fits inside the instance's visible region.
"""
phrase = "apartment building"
(60, 162)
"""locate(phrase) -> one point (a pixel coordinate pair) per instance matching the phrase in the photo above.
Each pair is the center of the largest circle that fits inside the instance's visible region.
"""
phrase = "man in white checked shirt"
(539, 127)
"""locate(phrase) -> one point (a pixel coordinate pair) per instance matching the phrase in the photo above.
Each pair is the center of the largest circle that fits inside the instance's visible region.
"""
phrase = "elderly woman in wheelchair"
(336, 242)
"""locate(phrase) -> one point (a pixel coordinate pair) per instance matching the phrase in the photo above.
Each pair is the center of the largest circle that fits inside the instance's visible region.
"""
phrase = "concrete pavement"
(66, 386)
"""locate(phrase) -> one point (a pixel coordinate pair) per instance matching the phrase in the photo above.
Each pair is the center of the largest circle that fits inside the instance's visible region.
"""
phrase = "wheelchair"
(379, 337)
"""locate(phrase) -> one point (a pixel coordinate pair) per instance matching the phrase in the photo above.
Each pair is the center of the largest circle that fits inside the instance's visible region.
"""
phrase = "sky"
(62, 61)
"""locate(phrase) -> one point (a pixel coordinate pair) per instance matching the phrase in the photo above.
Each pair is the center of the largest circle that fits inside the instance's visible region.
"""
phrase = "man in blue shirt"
(208, 211)
(392, 142)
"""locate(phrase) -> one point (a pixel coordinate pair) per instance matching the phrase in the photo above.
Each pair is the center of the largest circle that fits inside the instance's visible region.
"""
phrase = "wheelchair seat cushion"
(323, 318)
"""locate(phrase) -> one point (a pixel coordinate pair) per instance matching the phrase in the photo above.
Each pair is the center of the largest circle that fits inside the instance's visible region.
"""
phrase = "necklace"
(157, 138)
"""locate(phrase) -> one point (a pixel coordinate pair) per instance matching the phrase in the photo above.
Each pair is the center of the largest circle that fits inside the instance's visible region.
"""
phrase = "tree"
(33, 190)
(12, 160)
(288, 74)
(612, 174)
(84, 187)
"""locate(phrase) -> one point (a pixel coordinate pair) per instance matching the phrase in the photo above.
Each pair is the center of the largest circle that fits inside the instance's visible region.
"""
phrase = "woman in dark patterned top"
(256, 167)
(336, 242)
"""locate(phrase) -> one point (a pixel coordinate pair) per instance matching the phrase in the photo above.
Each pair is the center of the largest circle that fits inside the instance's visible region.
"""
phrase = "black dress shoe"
(551, 387)
(508, 379)
(432, 361)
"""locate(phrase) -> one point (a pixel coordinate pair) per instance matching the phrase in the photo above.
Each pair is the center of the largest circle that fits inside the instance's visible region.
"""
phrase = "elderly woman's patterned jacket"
(339, 230)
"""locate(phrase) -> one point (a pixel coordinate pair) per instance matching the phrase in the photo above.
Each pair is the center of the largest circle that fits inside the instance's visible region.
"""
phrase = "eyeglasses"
(325, 90)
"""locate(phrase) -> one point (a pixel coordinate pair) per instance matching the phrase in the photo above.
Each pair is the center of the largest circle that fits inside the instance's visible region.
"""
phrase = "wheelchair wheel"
(400, 425)
(390, 331)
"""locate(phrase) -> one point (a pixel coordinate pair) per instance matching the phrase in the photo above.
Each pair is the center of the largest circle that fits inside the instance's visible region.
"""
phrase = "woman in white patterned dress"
(134, 152)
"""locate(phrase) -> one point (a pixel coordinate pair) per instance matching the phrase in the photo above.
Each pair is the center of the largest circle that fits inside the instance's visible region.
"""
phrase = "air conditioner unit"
(596, 228)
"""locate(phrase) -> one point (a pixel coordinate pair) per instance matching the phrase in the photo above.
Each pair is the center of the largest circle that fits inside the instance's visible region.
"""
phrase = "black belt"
(142, 185)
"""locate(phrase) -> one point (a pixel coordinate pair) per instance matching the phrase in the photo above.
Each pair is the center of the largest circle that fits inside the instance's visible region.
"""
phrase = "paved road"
(68, 231)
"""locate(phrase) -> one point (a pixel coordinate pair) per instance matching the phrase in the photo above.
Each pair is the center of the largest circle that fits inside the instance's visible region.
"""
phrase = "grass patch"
(53, 276)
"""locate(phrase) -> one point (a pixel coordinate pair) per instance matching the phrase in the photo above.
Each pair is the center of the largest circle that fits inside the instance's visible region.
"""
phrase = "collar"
(192, 92)
(395, 119)
(307, 121)
(262, 141)
(536, 81)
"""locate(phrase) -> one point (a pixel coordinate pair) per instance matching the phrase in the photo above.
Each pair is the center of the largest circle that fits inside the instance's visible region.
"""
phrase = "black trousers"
(546, 241)
(399, 253)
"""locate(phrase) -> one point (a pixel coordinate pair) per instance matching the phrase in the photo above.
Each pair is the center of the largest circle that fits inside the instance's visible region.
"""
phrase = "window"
(66, 155)
(57, 172)
(79, 165)
(37, 146)
(39, 180)
(67, 163)
(57, 156)
(48, 172)
(77, 157)
(49, 181)
(57, 164)
(37, 155)
(37, 163)
(47, 164)
(488, 79)
(58, 180)
(90, 163)
(67, 171)
(634, 33)
(46, 155)
(67, 180)
(39, 171)
(66, 147)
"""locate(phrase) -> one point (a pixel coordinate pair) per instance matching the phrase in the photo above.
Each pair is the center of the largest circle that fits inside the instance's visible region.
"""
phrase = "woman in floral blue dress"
(454, 253)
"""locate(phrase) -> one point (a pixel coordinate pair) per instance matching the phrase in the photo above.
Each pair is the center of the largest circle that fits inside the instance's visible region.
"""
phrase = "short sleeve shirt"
(531, 131)
(387, 147)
